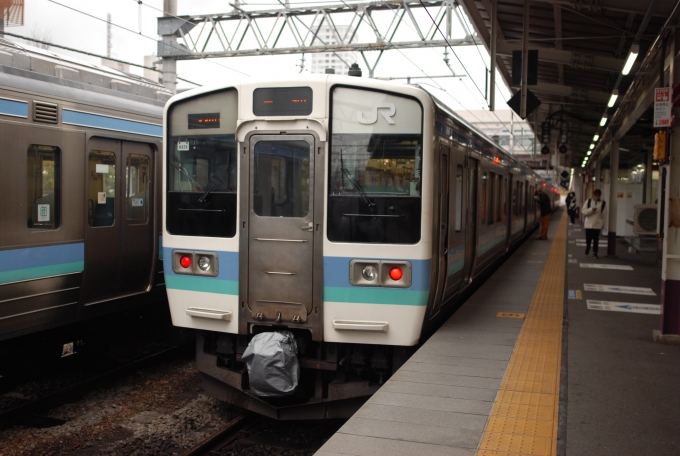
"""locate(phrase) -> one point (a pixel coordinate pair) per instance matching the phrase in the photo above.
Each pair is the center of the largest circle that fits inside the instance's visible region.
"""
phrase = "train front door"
(119, 230)
(280, 236)
(470, 219)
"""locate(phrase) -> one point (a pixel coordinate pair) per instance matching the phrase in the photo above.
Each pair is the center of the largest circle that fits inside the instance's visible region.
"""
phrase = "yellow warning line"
(523, 420)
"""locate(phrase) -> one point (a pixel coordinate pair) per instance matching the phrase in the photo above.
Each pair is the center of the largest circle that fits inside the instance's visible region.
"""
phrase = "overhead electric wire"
(35, 40)
(141, 34)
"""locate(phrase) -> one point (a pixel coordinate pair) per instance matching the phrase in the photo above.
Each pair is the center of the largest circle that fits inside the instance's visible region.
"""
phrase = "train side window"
(499, 196)
(101, 197)
(137, 189)
(490, 216)
(43, 187)
(482, 212)
(459, 198)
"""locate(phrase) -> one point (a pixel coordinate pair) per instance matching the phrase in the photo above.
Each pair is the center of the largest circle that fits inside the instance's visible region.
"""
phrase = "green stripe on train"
(205, 284)
(378, 295)
(41, 271)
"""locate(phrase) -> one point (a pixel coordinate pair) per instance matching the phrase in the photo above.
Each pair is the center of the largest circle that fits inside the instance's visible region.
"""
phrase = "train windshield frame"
(202, 166)
(376, 156)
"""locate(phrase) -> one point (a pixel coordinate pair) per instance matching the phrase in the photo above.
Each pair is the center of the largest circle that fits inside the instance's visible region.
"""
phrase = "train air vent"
(45, 112)
(645, 217)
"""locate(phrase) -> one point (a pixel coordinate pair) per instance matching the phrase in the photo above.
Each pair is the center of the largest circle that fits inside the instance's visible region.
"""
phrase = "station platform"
(536, 362)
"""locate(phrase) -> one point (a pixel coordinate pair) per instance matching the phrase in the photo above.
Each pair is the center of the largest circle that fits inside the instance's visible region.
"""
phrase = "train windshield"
(374, 192)
(201, 166)
(376, 164)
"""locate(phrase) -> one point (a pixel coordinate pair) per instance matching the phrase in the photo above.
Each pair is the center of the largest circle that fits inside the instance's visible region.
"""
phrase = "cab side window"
(43, 187)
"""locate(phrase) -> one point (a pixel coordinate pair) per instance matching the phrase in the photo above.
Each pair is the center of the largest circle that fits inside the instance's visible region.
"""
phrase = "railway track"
(224, 436)
(26, 411)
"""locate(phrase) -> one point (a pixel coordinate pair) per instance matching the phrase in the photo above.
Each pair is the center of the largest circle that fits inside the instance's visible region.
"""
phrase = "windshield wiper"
(178, 165)
(221, 177)
(356, 183)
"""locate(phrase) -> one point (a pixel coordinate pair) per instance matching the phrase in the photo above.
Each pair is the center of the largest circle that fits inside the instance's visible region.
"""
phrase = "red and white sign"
(662, 107)
(662, 94)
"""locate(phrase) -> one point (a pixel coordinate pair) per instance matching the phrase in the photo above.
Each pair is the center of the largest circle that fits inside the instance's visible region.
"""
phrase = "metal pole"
(492, 64)
(648, 177)
(613, 197)
(598, 174)
(170, 63)
(525, 61)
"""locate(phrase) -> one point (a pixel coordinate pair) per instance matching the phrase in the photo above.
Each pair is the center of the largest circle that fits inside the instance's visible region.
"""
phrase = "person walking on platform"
(546, 209)
(594, 220)
(571, 207)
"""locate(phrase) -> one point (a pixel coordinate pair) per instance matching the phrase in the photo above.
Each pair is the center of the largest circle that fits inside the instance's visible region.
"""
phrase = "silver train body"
(354, 213)
(79, 220)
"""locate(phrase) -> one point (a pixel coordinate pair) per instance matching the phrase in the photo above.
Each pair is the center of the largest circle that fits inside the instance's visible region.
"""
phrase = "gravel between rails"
(158, 410)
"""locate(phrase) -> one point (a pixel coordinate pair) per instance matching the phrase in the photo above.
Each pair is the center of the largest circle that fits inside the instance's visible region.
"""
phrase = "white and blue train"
(353, 213)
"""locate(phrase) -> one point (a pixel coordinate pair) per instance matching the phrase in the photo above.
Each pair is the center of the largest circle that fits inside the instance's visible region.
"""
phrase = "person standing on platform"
(546, 209)
(594, 220)
(571, 207)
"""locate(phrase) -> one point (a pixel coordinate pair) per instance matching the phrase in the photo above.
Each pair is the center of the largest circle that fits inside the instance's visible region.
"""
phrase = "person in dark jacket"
(571, 207)
(546, 209)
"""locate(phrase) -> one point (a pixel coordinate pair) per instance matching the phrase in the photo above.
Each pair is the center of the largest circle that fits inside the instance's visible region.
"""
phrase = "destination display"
(282, 101)
(207, 120)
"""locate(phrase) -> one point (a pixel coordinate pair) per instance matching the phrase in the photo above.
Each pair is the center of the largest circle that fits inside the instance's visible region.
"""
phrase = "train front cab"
(312, 216)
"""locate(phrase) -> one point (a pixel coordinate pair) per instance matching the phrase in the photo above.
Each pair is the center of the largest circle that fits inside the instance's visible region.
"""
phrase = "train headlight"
(370, 273)
(204, 263)
(185, 261)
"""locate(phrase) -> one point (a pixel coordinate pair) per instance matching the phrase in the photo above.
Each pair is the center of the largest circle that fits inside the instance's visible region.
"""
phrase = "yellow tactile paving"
(524, 417)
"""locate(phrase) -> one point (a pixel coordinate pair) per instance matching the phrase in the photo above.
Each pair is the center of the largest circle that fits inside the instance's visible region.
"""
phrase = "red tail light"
(396, 273)
(185, 261)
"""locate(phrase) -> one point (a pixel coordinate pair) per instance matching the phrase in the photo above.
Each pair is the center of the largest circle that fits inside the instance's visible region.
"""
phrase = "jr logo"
(374, 114)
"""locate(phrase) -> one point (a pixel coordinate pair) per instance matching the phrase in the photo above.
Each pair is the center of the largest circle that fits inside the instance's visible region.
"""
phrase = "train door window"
(101, 197)
(490, 216)
(43, 187)
(281, 178)
(459, 198)
(482, 212)
(137, 189)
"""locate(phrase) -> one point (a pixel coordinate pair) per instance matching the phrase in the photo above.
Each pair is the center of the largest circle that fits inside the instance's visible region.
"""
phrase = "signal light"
(185, 261)
(396, 273)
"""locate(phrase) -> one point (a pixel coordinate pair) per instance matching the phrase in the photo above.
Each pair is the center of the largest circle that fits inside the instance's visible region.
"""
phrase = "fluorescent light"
(612, 99)
(603, 121)
(596, 137)
(592, 146)
(589, 152)
(632, 56)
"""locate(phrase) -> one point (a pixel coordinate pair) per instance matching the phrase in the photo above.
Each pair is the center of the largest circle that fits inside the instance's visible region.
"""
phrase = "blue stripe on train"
(336, 272)
(45, 261)
(110, 123)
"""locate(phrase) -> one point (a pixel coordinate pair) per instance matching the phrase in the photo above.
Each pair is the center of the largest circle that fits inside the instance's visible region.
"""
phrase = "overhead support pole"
(613, 197)
(670, 265)
(492, 63)
(170, 42)
(525, 61)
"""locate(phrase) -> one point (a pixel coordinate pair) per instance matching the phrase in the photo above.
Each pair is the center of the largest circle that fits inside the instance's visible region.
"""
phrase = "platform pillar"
(612, 203)
(170, 63)
(670, 265)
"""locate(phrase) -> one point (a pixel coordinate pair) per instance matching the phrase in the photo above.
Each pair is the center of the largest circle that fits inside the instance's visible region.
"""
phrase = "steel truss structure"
(233, 34)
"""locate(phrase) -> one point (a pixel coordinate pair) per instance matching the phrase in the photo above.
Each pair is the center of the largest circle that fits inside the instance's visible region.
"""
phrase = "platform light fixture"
(592, 146)
(632, 56)
(612, 99)
(603, 121)
(588, 153)
(596, 137)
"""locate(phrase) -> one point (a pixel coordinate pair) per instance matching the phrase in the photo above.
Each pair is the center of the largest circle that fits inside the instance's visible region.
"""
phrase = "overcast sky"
(56, 23)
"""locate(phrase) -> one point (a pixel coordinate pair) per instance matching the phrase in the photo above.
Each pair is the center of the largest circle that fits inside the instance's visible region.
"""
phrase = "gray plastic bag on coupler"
(273, 368)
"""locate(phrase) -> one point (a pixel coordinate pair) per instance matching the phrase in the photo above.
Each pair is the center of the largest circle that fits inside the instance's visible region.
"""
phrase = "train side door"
(281, 237)
(119, 226)
(443, 239)
(471, 218)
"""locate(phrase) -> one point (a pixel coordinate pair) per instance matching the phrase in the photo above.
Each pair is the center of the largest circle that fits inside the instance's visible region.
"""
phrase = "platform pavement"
(623, 394)
(440, 401)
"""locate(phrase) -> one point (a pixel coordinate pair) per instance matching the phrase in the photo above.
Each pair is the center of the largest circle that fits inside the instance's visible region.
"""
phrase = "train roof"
(38, 64)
